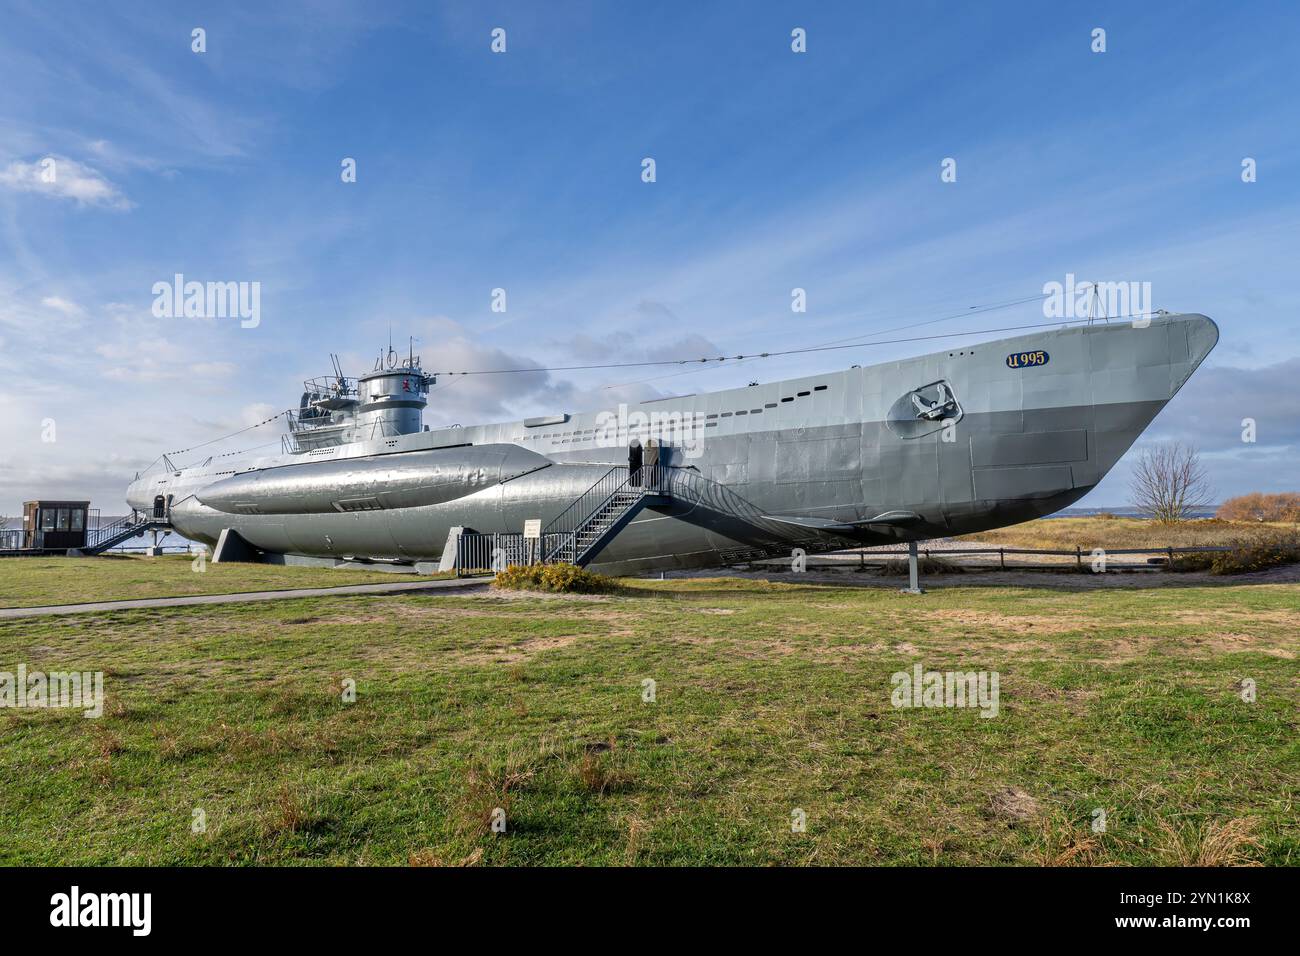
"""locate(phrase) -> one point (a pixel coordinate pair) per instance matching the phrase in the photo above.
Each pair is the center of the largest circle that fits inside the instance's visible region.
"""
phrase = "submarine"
(952, 442)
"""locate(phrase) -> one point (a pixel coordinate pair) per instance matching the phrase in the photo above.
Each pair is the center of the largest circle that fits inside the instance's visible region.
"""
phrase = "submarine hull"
(958, 441)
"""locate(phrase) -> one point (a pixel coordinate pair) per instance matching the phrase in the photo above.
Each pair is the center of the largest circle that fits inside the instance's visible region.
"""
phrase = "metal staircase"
(582, 530)
(99, 540)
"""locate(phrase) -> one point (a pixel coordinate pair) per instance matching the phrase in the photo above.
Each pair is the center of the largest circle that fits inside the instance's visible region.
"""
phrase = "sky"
(522, 170)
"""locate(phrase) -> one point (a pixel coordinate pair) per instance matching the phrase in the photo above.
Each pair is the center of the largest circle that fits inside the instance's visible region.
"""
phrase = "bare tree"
(1169, 482)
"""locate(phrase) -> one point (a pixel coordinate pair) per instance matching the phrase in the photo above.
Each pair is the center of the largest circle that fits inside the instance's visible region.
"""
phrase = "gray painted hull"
(806, 462)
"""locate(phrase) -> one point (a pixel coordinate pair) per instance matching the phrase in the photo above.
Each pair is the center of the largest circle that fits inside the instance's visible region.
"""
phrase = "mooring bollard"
(913, 574)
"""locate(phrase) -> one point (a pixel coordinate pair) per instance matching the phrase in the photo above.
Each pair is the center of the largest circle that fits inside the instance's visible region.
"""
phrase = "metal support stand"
(913, 574)
(231, 547)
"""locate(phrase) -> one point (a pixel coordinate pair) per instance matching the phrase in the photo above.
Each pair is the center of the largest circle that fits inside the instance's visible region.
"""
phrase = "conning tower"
(385, 402)
(391, 399)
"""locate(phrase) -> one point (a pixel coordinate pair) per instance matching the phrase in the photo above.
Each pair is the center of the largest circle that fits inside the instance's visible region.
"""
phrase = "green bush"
(1247, 555)
(557, 578)
(1257, 556)
(1197, 561)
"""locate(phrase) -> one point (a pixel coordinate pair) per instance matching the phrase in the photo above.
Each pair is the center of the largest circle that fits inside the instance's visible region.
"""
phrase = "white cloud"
(59, 304)
(62, 178)
(213, 369)
(256, 412)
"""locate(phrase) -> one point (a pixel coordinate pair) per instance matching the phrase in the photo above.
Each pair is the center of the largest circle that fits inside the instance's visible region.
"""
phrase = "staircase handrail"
(588, 503)
(648, 479)
(688, 486)
(98, 535)
(105, 536)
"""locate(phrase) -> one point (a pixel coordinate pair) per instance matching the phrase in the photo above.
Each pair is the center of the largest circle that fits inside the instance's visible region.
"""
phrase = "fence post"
(1002, 558)
(1078, 554)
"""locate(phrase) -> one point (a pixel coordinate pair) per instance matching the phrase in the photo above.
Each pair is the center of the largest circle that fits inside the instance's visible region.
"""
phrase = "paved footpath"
(385, 588)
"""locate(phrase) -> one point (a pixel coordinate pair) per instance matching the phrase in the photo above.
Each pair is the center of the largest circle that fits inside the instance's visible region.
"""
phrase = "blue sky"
(522, 171)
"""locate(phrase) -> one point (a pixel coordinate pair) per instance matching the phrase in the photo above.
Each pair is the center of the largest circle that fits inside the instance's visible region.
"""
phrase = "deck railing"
(16, 539)
(495, 551)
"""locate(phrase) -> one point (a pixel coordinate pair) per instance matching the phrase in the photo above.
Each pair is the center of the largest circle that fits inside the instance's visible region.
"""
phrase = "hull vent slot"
(358, 504)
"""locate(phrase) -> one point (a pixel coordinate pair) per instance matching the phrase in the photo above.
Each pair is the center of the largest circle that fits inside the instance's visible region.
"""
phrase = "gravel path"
(382, 588)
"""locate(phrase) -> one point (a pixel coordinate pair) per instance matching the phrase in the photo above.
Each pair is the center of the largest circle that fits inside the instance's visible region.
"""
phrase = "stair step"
(598, 523)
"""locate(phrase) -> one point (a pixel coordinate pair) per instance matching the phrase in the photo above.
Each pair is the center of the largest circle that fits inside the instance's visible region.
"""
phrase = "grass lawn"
(27, 582)
(769, 697)
(1091, 532)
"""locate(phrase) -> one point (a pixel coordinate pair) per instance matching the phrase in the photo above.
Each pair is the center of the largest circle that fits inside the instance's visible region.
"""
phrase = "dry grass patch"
(596, 775)
(289, 815)
(1076, 698)
(512, 653)
(1013, 805)
(1236, 642)
(994, 623)
(1090, 532)
(490, 791)
(1063, 844)
(433, 858)
(1215, 844)
(637, 828)
(1220, 615)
